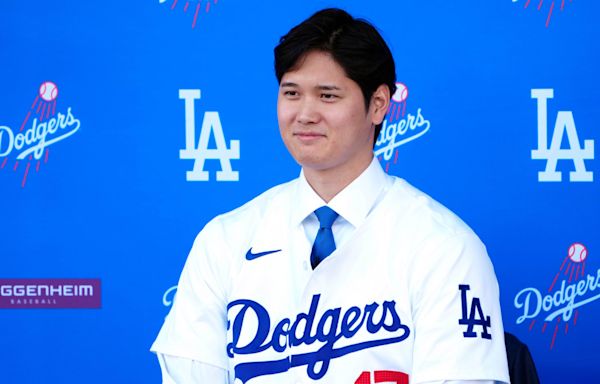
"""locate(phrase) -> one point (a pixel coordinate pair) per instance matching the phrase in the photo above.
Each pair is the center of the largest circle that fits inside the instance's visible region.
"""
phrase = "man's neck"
(329, 182)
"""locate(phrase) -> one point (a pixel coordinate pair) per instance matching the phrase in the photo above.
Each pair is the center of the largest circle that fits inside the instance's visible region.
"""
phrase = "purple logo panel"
(50, 293)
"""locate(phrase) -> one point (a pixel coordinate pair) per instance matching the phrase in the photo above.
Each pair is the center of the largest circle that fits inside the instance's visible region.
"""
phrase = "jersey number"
(473, 317)
(394, 377)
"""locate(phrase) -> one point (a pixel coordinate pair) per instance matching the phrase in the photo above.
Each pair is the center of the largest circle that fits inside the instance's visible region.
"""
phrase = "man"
(346, 274)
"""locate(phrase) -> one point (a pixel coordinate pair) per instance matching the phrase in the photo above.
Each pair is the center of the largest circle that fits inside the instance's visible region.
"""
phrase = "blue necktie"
(324, 243)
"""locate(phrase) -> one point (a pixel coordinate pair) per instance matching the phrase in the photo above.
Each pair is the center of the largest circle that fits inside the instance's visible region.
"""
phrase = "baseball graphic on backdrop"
(401, 93)
(577, 252)
(48, 91)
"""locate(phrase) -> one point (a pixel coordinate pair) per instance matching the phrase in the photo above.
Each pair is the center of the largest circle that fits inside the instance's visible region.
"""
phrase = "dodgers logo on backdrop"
(399, 127)
(211, 125)
(42, 127)
(550, 6)
(565, 123)
(196, 7)
(169, 296)
(572, 288)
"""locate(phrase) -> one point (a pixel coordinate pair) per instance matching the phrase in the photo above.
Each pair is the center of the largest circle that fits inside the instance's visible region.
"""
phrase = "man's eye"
(328, 96)
(290, 93)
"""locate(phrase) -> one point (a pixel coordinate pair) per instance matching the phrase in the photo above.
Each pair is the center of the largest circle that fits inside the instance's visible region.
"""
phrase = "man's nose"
(308, 112)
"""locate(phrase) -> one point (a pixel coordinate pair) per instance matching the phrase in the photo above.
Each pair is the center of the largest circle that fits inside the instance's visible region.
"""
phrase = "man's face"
(322, 117)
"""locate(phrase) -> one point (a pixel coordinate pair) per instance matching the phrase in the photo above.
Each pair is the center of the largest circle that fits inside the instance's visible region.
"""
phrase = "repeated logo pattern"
(559, 305)
(549, 6)
(399, 128)
(196, 7)
(565, 124)
(211, 125)
(46, 127)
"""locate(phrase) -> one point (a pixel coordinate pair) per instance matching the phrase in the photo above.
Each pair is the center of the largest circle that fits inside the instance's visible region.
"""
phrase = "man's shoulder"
(420, 209)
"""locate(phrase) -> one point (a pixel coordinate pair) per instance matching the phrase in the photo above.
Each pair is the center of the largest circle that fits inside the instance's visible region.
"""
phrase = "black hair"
(353, 43)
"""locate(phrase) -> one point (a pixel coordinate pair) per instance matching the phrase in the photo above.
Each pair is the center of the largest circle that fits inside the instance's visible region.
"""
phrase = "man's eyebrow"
(327, 87)
(320, 87)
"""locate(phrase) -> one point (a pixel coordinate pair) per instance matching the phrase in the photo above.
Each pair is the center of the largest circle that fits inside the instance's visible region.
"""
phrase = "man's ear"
(380, 102)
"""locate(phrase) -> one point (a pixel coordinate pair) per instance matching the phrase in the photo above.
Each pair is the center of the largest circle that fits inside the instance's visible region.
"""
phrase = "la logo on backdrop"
(574, 286)
(399, 127)
(565, 123)
(42, 127)
(200, 152)
(196, 7)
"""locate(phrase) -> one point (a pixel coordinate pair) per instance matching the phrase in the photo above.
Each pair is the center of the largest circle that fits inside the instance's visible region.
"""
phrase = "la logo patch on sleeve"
(474, 316)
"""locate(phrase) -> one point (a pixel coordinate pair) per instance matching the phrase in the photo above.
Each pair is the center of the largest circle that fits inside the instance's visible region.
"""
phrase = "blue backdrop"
(103, 192)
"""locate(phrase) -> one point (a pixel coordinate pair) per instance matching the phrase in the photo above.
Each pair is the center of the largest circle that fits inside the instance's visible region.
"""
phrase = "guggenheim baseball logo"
(399, 127)
(42, 127)
(49, 293)
(558, 306)
(200, 152)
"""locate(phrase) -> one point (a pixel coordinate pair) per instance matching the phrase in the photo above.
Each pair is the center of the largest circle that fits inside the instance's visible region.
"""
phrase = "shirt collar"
(353, 203)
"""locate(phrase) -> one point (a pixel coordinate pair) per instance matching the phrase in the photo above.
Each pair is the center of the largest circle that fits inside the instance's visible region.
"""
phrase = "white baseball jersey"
(409, 295)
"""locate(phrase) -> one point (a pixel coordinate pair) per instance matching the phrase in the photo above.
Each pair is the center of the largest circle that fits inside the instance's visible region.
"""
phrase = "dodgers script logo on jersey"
(335, 324)
(197, 7)
(565, 123)
(211, 125)
(571, 289)
(47, 127)
(399, 127)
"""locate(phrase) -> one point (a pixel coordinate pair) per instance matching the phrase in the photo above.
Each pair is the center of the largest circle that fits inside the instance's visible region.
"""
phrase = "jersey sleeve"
(456, 310)
(181, 370)
(196, 326)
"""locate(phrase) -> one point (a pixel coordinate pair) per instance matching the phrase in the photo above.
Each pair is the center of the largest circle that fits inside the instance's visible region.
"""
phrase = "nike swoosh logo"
(252, 256)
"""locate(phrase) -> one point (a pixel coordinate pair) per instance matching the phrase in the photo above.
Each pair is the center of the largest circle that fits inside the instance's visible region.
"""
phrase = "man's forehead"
(316, 69)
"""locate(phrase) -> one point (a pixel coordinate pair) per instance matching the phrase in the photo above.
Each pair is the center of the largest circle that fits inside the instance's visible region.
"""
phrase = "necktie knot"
(326, 216)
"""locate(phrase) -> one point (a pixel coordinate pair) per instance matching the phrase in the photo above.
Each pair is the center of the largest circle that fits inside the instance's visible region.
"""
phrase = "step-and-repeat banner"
(126, 126)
